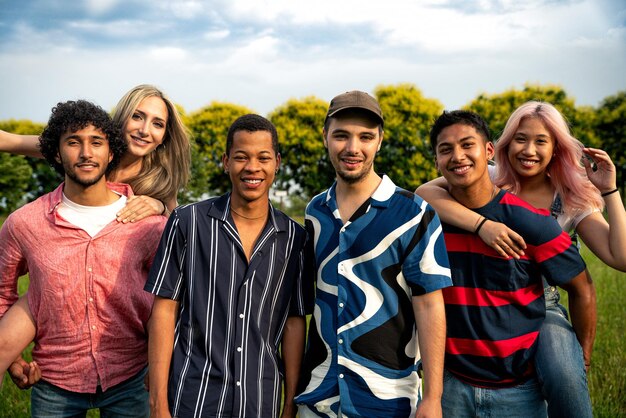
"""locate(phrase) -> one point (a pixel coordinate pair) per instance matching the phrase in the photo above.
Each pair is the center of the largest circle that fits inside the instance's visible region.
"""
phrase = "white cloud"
(97, 7)
(217, 35)
(185, 9)
(168, 54)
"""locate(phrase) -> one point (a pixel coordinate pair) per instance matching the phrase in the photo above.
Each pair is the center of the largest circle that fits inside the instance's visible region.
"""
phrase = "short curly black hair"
(251, 123)
(73, 116)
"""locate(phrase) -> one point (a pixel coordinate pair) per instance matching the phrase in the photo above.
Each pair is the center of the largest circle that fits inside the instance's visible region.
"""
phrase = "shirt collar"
(380, 198)
(219, 210)
(56, 196)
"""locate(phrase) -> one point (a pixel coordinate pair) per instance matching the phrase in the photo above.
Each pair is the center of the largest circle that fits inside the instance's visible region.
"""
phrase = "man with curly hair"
(85, 308)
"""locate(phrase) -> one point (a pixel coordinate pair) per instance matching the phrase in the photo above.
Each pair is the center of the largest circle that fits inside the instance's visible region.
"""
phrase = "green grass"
(607, 377)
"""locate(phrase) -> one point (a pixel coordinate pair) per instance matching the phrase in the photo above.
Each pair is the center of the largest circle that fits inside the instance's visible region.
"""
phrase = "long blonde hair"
(165, 171)
(565, 170)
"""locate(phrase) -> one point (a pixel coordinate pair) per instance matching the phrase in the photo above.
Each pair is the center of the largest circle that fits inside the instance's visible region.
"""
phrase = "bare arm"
(495, 234)
(582, 309)
(17, 330)
(430, 319)
(20, 144)
(160, 346)
(607, 240)
(292, 347)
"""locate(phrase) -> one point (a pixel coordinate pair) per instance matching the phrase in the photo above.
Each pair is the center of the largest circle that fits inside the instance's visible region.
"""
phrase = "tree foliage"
(23, 179)
(406, 153)
(209, 127)
(496, 109)
(305, 167)
(611, 129)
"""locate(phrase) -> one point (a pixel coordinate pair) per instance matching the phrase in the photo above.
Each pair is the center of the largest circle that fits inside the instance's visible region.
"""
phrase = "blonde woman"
(158, 159)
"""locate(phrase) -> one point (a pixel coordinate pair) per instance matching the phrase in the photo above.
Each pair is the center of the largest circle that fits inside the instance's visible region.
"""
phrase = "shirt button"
(90, 299)
(340, 341)
(238, 383)
(93, 327)
(552, 288)
(341, 375)
(341, 304)
(88, 268)
(239, 349)
(241, 315)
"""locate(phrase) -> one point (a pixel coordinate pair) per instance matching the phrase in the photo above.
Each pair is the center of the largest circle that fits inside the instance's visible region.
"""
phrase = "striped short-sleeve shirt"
(496, 306)
(226, 359)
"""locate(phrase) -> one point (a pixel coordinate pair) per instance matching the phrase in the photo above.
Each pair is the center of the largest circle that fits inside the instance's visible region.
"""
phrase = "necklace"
(247, 217)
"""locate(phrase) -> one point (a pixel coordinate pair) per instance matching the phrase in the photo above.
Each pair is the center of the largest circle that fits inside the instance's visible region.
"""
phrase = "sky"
(261, 53)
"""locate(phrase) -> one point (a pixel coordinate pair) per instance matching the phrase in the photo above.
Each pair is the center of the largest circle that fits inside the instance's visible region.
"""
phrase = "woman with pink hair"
(539, 160)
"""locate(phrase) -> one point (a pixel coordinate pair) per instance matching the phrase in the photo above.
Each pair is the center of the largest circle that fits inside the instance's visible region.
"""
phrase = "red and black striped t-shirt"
(496, 306)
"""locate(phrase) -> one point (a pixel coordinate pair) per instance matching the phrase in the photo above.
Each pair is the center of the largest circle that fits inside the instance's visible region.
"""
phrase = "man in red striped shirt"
(496, 306)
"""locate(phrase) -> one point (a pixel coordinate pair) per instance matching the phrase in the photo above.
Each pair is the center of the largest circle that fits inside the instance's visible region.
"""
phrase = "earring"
(225, 171)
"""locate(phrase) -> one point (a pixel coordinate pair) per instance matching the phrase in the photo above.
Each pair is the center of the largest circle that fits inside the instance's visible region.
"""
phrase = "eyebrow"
(75, 136)
(154, 117)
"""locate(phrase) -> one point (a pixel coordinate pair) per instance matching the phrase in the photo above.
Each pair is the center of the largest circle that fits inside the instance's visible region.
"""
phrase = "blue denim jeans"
(461, 400)
(560, 364)
(127, 399)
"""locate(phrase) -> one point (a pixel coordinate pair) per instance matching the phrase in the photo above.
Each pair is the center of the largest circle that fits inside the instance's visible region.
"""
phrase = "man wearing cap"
(381, 263)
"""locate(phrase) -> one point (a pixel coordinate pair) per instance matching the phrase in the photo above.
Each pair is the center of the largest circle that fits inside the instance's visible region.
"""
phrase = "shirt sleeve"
(12, 265)
(558, 258)
(165, 278)
(426, 267)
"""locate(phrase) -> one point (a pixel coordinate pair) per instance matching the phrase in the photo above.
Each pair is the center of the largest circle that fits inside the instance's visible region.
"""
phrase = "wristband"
(480, 225)
(605, 194)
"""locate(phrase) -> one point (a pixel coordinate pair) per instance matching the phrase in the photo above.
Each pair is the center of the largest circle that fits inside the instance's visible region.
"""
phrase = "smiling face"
(251, 165)
(85, 156)
(531, 149)
(352, 142)
(146, 127)
(462, 155)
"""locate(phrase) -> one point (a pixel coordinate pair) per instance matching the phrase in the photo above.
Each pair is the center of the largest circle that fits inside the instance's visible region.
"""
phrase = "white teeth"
(528, 162)
(252, 181)
(460, 170)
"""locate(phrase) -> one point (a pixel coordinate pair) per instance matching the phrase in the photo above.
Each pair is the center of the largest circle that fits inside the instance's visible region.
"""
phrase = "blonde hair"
(567, 174)
(165, 171)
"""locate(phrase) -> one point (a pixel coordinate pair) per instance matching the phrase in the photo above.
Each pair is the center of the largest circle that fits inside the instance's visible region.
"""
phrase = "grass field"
(607, 377)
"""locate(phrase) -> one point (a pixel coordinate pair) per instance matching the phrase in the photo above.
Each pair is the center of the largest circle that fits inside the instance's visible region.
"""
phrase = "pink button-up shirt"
(86, 294)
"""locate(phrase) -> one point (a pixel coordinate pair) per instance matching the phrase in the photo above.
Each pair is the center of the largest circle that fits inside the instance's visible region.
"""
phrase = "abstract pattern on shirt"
(226, 360)
(496, 306)
(362, 346)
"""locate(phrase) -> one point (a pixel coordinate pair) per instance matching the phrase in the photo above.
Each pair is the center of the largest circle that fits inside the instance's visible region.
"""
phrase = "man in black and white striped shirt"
(230, 286)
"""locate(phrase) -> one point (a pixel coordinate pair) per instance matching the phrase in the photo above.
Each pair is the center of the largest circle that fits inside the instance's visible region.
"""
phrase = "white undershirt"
(91, 219)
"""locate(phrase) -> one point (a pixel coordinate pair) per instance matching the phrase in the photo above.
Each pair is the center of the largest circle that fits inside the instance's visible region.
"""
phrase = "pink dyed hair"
(565, 170)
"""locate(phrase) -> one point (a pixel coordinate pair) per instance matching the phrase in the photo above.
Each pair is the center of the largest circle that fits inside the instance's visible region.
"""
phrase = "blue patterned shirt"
(362, 346)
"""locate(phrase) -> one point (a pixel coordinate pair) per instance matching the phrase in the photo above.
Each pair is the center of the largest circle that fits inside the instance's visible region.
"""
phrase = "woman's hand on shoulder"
(505, 241)
(605, 176)
(140, 207)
